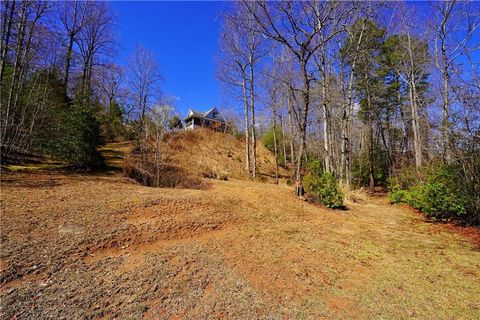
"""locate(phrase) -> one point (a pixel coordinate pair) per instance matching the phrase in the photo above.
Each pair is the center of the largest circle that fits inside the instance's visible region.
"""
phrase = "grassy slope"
(204, 152)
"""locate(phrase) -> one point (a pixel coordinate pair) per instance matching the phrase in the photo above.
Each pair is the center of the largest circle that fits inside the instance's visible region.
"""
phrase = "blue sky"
(184, 38)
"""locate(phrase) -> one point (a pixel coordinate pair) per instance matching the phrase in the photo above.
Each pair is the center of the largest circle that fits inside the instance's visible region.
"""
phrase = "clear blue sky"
(184, 38)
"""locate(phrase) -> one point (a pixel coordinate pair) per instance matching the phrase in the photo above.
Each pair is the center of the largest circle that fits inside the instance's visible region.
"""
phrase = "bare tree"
(110, 83)
(158, 120)
(330, 23)
(233, 71)
(242, 48)
(454, 28)
(73, 16)
(412, 59)
(273, 98)
(95, 39)
(350, 50)
(17, 115)
(297, 26)
(8, 10)
(144, 77)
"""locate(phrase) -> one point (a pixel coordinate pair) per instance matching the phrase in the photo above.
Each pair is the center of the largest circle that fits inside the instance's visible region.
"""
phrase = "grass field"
(78, 246)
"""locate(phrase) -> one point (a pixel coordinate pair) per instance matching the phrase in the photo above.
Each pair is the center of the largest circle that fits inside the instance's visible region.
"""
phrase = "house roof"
(207, 114)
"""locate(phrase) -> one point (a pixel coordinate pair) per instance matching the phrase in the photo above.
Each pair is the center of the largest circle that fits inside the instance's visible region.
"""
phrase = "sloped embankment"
(215, 154)
(192, 156)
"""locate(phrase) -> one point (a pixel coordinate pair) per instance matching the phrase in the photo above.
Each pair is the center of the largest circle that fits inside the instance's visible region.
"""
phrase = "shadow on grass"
(311, 201)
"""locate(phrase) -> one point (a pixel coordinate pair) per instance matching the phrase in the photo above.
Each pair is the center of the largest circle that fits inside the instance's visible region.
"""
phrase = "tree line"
(367, 90)
(63, 91)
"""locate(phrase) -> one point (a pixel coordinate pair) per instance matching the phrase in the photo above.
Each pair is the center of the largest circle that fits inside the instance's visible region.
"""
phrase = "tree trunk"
(157, 160)
(275, 145)
(445, 86)
(284, 145)
(247, 129)
(417, 139)
(68, 59)
(326, 116)
(417, 143)
(370, 136)
(303, 124)
(386, 144)
(446, 118)
(6, 137)
(292, 133)
(6, 31)
(345, 146)
(404, 143)
(345, 166)
(252, 110)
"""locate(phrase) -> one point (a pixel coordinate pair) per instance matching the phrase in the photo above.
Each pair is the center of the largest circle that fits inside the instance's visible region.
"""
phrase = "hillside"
(190, 156)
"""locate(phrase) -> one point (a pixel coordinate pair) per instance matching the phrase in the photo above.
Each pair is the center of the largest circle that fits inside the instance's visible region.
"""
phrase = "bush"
(398, 196)
(323, 187)
(440, 195)
(416, 197)
(440, 202)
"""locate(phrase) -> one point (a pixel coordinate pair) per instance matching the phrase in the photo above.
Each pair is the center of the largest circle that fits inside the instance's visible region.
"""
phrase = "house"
(210, 119)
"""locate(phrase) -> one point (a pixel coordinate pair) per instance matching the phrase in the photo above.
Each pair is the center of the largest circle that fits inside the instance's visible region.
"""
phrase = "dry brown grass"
(191, 156)
(211, 154)
(98, 246)
(92, 246)
(353, 196)
(170, 176)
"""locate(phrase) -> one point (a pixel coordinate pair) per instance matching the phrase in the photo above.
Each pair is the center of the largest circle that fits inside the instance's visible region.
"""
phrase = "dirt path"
(82, 246)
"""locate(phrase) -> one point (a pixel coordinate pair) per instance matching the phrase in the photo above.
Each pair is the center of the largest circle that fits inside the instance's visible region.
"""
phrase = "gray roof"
(199, 114)
(196, 113)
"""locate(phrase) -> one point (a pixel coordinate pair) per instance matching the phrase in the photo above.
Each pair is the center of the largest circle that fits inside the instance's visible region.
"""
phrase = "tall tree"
(242, 49)
(144, 77)
(454, 27)
(297, 26)
(367, 81)
(95, 40)
(73, 16)
(17, 96)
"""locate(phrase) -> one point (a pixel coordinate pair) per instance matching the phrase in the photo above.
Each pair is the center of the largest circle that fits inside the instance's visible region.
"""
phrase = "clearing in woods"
(99, 246)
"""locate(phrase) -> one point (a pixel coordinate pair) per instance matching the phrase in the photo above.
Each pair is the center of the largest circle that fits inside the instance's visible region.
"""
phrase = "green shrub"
(415, 197)
(398, 196)
(440, 202)
(440, 196)
(407, 177)
(323, 187)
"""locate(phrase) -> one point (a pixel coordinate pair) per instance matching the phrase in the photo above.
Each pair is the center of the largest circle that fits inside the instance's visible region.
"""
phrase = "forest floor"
(98, 246)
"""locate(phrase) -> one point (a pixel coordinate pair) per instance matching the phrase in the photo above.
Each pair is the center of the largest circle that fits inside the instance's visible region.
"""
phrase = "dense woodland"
(350, 94)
